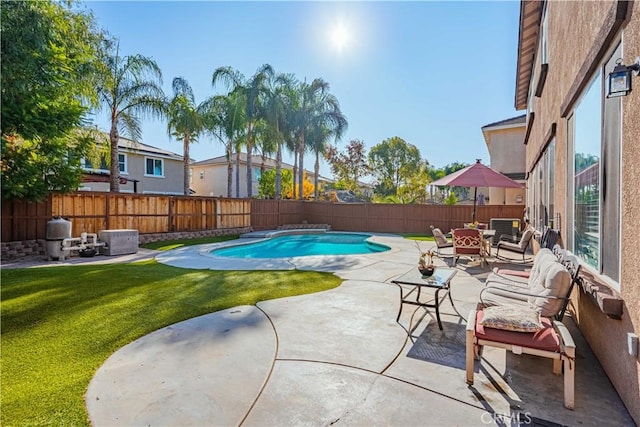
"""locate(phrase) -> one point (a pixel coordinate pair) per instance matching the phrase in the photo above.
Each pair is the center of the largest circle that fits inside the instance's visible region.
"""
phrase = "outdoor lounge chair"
(550, 238)
(528, 316)
(552, 341)
(441, 240)
(468, 242)
(520, 247)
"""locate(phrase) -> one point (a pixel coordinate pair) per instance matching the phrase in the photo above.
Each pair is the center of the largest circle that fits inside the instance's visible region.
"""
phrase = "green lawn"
(59, 324)
(420, 237)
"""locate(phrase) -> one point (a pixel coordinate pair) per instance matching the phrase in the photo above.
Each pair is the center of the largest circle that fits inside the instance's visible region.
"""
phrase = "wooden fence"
(268, 214)
(92, 212)
(24, 221)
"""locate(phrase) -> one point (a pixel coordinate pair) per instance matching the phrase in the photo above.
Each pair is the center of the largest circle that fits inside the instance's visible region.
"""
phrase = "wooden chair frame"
(563, 358)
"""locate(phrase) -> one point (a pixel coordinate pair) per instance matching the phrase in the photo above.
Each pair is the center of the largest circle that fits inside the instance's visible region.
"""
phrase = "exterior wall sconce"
(620, 78)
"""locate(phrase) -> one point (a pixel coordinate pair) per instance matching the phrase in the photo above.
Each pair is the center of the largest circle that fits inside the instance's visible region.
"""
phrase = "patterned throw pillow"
(512, 318)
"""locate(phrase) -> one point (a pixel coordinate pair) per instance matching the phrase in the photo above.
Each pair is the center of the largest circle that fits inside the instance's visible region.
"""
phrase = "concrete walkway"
(337, 357)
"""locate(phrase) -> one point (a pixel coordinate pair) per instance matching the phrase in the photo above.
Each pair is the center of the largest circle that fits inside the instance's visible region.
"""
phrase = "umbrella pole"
(473, 214)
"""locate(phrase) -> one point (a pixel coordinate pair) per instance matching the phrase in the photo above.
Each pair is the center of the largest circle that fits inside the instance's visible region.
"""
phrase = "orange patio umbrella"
(476, 175)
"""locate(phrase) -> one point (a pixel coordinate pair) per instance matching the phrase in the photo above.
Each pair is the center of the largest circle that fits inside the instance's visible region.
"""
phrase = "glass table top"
(440, 279)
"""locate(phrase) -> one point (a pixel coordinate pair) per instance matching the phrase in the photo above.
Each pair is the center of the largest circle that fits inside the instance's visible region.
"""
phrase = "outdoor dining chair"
(467, 242)
(441, 240)
(519, 248)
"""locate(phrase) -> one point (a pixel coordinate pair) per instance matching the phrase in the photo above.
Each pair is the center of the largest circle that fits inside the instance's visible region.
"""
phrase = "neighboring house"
(209, 177)
(143, 169)
(505, 144)
(582, 156)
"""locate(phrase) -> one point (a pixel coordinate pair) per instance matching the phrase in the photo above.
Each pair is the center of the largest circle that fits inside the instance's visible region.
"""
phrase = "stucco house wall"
(136, 155)
(209, 180)
(504, 141)
(209, 177)
(581, 36)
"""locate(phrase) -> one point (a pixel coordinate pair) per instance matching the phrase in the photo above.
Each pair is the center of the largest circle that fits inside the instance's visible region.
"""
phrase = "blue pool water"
(304, 245)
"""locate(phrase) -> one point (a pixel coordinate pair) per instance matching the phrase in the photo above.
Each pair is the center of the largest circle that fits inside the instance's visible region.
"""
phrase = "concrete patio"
(339, 357)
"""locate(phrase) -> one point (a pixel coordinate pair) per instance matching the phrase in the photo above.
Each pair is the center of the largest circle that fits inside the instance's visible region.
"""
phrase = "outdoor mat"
(445, 347)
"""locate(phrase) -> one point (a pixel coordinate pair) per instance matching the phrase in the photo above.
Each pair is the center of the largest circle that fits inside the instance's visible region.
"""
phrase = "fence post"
(107, 211)
(170, 214)
(216, 212)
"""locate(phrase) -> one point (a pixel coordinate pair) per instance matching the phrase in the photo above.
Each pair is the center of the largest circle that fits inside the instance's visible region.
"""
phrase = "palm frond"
(181, 87)
(231, 77)
(129, 125)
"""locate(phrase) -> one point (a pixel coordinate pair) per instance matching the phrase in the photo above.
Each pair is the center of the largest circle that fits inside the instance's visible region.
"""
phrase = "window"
(594, 145)
(122, 164)
(544, 34)
(256, 174)
(541, 181)
(530, 97)
(586, 174)
(550, 161)
(154, 167)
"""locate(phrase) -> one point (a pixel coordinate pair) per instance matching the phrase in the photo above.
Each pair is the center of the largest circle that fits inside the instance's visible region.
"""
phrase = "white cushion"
(554, 281)
(539, 263)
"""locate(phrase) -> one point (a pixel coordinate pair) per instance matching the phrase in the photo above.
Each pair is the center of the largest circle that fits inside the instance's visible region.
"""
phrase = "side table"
(440, 281)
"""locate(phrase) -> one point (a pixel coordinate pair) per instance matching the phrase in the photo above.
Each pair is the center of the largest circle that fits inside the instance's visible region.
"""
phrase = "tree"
(394, 162)
(414, 187)
(351, 166)
(318, 137)
(33, 168)
(130, 88)
(48, 71)
(223, 117)
(267, 187)
(317, 108)
(184, 122)
(308, 189)
(253, 92)
(435, 174)
(278, 103)
(265, 142)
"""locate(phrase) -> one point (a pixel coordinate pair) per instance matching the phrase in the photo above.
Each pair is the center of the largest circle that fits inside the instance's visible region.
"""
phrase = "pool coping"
(200, 256)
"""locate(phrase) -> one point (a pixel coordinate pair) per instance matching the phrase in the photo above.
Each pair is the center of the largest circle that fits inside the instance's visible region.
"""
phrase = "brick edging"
(20, 249)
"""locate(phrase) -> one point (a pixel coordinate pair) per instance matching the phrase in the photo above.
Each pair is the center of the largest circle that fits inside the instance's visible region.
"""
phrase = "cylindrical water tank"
(58, 229)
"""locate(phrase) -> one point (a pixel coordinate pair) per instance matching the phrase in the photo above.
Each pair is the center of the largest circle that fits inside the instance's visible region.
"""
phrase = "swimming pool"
(304, 245)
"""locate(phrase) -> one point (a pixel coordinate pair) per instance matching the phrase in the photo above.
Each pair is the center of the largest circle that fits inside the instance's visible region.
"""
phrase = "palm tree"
(265, 142)
(281, 91)
(318, 109)
(317, 137)
(253, 91)
(184, 121)
(223, 117)
(129, 87)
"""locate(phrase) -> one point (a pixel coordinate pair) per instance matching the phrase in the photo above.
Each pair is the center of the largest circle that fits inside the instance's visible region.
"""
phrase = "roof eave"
(530, 15)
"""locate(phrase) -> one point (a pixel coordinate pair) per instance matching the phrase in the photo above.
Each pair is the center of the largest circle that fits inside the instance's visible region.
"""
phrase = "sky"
(432, 73)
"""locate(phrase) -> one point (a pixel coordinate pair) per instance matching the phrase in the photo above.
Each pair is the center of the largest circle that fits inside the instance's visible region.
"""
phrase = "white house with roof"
(144, 169)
